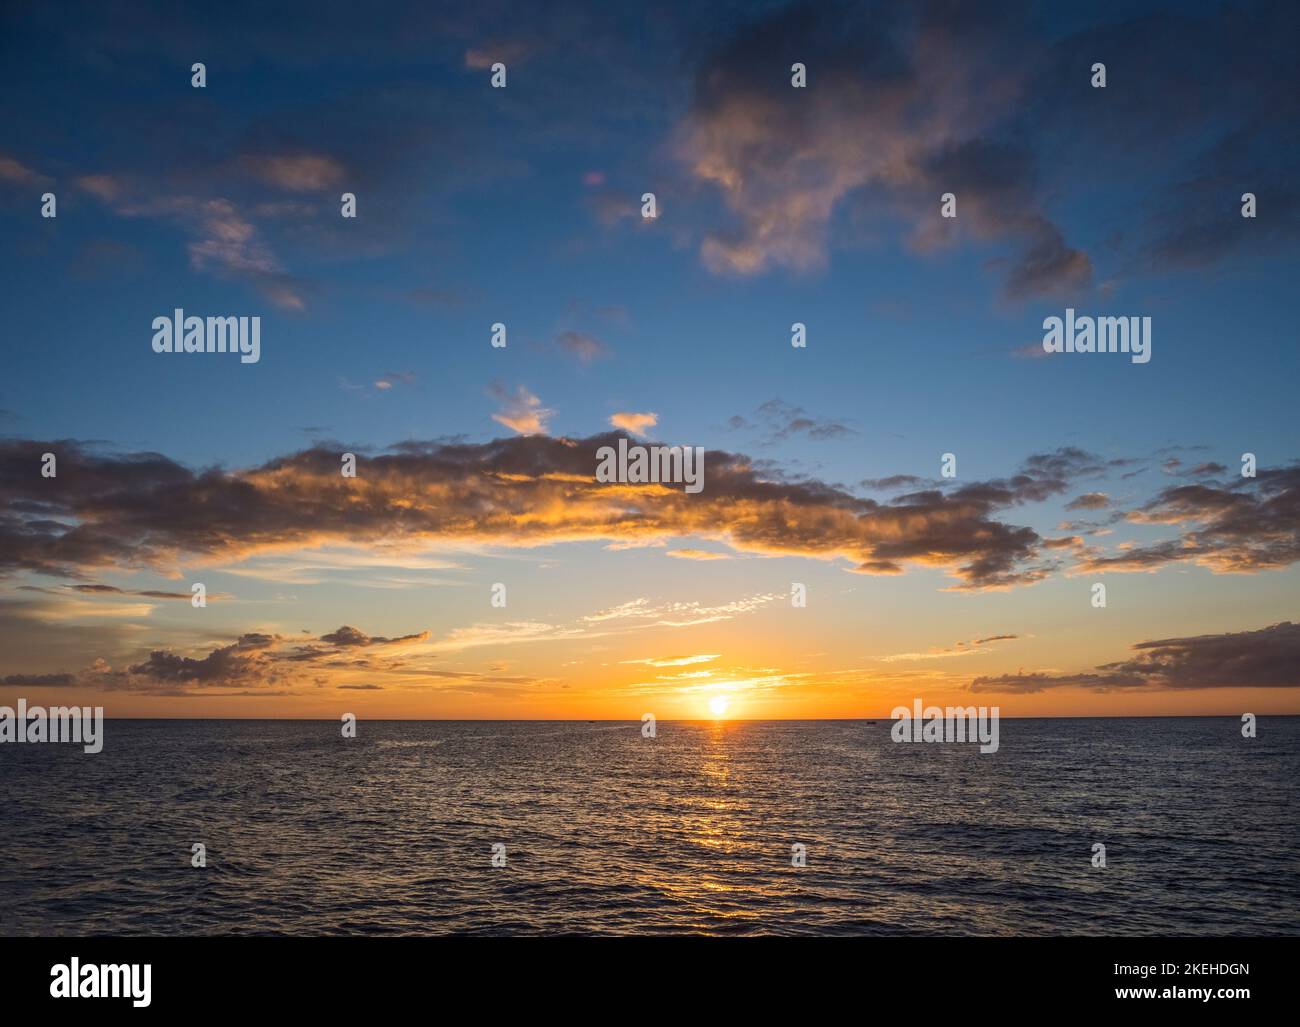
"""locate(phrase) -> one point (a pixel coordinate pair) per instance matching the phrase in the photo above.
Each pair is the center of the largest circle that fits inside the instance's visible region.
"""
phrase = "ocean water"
(691, 832)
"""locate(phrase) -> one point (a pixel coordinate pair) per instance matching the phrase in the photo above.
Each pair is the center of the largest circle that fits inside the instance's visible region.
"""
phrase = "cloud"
(635, 424)
(611, 207)
(676, 661)
(38, 680)
(1089, 501)
(62, 609)
(387, 381)
(304, 172)
(352, 637)
(892, 483)
(523, 413)
(14, 171)
(222, 239)
(586, 348)
(507, 52)
(243, 660)
(144, 510)
(256, 662)
(1266, 658)
(778, 421)
(904, 103)
(1030, 351)
(227, 240)
(968, 648)
(697, 554)
(1250, 525)
(91, 588)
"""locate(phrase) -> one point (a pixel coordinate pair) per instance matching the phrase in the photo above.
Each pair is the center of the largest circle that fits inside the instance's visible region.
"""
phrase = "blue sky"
(522, 205)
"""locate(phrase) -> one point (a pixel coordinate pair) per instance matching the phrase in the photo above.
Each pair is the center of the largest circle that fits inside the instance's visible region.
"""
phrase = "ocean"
(607, 832)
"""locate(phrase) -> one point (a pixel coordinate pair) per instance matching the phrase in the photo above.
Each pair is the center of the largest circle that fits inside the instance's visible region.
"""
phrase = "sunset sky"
(776, 205)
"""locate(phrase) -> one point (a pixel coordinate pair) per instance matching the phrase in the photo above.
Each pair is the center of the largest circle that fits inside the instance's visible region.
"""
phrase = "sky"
(774, 205)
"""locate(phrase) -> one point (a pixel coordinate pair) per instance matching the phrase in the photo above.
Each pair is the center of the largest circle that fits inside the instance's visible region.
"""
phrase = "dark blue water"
(608, 832)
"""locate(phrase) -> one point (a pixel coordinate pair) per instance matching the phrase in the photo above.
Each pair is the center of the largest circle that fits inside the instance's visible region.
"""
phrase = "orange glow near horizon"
(354, 635)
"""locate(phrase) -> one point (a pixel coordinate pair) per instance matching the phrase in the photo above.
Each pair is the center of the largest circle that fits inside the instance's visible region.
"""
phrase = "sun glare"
(718, 705)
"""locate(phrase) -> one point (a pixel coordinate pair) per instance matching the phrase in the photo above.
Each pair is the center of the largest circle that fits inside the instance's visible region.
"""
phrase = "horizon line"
(694, 720)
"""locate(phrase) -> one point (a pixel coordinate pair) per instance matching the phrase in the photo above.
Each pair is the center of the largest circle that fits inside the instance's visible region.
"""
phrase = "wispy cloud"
(676, 661)
(523, 412)
(967, 648)
(778, 421)
(15, 172)
(585, 347)
(302, 172)
(223, 240)
(697, 554)
(387, 381)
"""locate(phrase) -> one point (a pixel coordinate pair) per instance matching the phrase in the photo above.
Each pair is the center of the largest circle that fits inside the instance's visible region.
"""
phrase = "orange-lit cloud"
(523, 413)
(144, 510)
(975, 645)
(697, 554)
(636, 424)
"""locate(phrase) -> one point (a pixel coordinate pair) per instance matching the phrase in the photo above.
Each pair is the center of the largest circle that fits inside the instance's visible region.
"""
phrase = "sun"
(718, 705)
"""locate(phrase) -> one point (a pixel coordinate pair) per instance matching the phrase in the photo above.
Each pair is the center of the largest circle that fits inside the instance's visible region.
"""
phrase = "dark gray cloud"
(242, 660)
(1089, 501)
(905, 102)
(893, 483)
(1266, 658)
(1250, 524)
(353, 637)
(777, 421)
(39, 680)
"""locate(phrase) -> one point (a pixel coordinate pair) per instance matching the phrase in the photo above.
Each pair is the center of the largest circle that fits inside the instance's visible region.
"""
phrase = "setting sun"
(718, 705)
